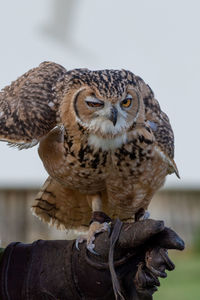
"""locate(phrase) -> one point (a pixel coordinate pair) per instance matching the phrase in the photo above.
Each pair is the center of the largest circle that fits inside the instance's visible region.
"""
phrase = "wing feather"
(160, 125)
(29, 106)
(61, 206)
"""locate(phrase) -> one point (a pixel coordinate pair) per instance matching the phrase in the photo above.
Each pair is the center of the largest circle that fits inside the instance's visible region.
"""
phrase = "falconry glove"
(127, 266)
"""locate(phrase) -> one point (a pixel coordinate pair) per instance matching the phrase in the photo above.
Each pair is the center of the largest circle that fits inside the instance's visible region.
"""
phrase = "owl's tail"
(63, 207)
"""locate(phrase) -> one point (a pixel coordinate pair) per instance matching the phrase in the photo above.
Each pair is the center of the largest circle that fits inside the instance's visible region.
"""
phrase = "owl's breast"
(136, 172)
(88, 169)
(132, 160)
(135, 164)
(82, 167)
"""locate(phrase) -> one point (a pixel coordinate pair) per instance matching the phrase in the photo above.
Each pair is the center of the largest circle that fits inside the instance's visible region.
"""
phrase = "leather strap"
(113, 240)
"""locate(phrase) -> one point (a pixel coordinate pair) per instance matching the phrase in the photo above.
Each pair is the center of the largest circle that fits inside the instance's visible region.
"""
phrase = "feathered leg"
(100, 222)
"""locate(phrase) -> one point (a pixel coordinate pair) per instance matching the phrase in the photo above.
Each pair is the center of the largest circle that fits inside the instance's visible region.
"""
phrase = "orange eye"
(126, 103)
(94, 104)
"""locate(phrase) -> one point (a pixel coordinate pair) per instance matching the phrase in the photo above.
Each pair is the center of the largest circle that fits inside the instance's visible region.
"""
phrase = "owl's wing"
(66, 208)
(159, 123)
(29, 106)
(58, 205)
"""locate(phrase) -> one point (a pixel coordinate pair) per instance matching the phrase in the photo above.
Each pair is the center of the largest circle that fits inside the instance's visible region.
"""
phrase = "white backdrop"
(157, 40)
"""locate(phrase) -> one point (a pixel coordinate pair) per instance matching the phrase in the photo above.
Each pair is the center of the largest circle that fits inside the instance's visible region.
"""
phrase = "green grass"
(184, 282)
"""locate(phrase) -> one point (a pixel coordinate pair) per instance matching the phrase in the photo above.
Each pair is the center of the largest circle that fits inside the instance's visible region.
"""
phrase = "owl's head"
(106, 103)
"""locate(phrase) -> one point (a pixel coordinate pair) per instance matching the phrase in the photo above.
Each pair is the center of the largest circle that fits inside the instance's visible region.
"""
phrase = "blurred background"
(157, 40)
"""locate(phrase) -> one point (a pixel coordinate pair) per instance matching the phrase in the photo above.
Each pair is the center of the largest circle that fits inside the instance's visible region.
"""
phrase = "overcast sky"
(157, 40)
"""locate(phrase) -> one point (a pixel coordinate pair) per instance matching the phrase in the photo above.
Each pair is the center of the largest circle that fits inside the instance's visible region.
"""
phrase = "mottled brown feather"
(51, 206)
(29, 106)
(162, 130)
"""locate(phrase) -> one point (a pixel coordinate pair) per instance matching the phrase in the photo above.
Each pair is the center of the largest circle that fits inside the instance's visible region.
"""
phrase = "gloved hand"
(140, 257)
(57, 270)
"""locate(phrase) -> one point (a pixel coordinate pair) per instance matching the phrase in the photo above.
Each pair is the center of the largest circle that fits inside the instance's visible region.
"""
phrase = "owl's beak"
(113, 115)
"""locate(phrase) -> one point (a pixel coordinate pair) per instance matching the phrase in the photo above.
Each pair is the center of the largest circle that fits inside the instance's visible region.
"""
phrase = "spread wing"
(160, 125)
(29, 106)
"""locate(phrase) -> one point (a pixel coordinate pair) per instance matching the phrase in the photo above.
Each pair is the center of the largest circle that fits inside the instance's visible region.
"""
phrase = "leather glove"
(127, 267)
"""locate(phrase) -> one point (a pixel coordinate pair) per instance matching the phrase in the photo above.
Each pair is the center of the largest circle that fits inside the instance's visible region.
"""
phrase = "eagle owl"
(103, 139)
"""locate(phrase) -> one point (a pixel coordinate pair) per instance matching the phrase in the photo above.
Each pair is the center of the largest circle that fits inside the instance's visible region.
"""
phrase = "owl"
(103, 139)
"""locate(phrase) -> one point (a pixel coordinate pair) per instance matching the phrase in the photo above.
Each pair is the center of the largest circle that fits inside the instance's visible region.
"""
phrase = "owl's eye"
(126, 102)
(94, 104)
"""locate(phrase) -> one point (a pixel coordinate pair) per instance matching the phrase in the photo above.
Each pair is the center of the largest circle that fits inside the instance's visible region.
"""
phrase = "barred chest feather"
(89, 168)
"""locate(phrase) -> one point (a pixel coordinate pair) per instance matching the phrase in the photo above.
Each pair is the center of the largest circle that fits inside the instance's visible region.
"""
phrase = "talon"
(95, 228)
(106, 226)
(146, 215)
(76, 245)
(90, 248)
(78, 241)
(93, 252)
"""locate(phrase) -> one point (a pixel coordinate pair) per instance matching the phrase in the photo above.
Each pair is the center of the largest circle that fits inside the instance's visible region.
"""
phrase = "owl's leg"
(142, 214)
(100, 222)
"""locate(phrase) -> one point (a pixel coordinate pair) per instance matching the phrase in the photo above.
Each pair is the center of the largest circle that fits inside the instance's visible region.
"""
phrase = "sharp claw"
(146, 215)
(78, 241)
(76, 244)
(108, 228)
(93, 252)
(91, 249)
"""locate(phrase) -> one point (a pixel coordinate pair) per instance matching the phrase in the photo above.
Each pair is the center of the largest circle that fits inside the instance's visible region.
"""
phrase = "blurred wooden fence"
(179, 209)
